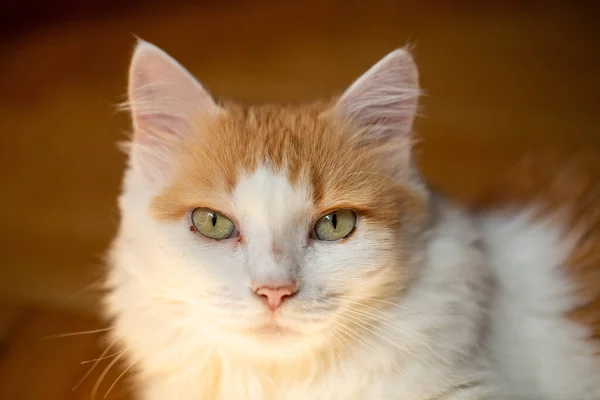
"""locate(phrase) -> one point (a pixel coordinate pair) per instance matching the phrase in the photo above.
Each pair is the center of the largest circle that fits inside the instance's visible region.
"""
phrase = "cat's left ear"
(382, 105)
(165, 100)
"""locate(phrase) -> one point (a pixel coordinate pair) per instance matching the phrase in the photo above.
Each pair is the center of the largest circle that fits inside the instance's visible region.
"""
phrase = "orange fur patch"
(565, 187)
(307, 143)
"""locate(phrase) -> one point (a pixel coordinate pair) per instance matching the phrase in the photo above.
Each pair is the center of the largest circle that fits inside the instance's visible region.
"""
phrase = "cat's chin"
(272, 332)
(273, 340)
(272, 329)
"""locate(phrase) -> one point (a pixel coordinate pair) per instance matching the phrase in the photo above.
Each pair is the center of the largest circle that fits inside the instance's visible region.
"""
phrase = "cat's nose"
(275, 296)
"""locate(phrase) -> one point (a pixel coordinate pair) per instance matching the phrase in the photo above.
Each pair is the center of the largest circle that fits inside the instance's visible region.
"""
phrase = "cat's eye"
(335, 226)
(212, 224)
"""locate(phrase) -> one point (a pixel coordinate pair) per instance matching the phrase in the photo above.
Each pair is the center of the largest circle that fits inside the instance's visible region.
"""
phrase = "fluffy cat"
(295, 252)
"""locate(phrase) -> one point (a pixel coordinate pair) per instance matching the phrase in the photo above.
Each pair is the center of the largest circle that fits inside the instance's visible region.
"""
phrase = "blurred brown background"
(500, 78)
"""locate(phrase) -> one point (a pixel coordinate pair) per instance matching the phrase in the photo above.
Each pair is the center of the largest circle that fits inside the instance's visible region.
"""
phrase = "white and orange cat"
(295, 252)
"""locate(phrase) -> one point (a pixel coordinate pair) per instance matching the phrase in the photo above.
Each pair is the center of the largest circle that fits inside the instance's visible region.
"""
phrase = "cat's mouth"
(273, 328)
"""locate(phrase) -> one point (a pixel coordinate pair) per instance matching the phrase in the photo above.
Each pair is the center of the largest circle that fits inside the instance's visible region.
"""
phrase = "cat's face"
(270, 228)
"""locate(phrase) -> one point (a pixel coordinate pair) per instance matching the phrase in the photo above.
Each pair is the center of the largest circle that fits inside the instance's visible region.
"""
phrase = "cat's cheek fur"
(371, 252)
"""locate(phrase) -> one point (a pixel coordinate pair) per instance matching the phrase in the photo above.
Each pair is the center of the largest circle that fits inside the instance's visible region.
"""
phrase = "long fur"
(425, 299)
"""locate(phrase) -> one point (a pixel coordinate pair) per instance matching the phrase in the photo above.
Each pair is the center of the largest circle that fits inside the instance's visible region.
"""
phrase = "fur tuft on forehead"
(310, 144)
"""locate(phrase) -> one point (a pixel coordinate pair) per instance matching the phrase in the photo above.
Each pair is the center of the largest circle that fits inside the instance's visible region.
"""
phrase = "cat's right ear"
(164, 99)
(382, 104)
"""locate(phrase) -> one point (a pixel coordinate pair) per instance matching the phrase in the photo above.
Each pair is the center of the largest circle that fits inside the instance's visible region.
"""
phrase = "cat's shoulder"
(559, 191)
(540, 219)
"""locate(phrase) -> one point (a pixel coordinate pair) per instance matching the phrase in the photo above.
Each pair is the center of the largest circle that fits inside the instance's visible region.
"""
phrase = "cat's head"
(275, 229)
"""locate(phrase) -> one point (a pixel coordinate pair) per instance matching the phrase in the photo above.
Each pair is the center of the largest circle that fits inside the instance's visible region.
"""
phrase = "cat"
(296, 252)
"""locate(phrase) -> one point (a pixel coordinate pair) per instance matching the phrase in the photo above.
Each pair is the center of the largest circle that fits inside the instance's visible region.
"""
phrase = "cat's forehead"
(300, 147)
(289, 140)
(269, 201)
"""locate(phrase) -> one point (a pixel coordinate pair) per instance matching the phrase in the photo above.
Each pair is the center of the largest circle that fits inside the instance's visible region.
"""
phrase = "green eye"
(336, 225)
(212, 224)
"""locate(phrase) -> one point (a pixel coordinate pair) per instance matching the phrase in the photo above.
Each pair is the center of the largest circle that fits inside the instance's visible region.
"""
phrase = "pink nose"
(276, 295)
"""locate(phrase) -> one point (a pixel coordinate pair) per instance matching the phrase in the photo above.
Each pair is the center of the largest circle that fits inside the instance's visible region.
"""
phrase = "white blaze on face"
(273, 217)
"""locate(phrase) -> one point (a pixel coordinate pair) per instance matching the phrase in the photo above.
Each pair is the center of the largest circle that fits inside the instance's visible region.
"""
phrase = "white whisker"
(393, 324)
(402, 348)
(93, 367)
(103, 375)
(102, 358)
(70, 334)
(352, 300)
(121, 375)
(334, 336)
(366, 342)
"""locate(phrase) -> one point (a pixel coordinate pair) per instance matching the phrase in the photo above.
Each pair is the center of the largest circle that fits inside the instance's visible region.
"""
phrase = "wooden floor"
(499, 81)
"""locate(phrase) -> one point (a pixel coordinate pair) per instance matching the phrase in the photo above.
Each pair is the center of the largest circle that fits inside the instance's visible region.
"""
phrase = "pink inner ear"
(163, 96)
(384, 99)
(156, 128)
(385, 128)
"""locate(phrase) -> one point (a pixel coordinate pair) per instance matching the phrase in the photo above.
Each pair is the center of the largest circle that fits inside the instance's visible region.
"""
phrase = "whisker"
(362, 339)
(392, 323)
(425, 318)
(93, 367)
(386, 302)
(121, 375)
(367, 343)
(102, 358)
(103, 375)
(70, 334)
(341, 328)
(402, 348)
(338, 357)
(334, 336)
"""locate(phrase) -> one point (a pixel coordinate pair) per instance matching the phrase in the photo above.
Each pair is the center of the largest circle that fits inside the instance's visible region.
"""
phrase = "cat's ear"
(164, 100)
(383, 103)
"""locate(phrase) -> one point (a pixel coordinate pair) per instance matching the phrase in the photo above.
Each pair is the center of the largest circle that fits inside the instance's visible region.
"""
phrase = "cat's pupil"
(214, 219)
(334, 221)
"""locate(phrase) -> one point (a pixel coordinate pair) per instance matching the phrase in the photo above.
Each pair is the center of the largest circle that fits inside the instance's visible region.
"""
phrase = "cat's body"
(420, 300)
(541, 225)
